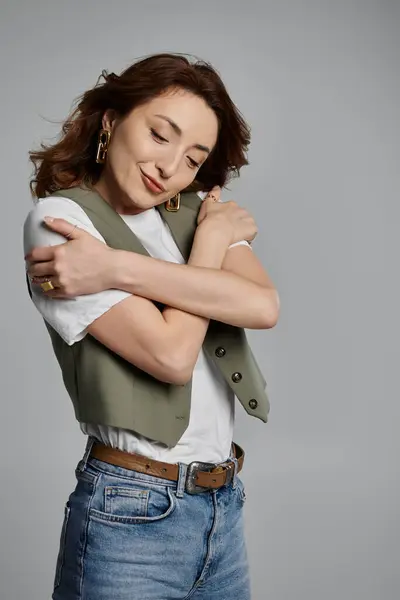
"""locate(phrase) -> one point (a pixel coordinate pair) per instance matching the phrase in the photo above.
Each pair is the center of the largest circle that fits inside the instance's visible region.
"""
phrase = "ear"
(109, 119)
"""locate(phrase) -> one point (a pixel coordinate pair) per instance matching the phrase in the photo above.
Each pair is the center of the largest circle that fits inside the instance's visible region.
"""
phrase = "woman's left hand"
(81, 265)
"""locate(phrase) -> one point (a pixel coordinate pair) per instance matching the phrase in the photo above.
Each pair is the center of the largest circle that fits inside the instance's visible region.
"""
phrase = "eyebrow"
(178, 130)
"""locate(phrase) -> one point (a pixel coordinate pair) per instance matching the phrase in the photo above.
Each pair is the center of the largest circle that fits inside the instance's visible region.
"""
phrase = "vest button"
(220, 351)
(253, 403)
(236, 377)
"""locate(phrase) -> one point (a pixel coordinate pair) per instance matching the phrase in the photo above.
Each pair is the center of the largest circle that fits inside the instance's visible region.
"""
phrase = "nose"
(168, 164)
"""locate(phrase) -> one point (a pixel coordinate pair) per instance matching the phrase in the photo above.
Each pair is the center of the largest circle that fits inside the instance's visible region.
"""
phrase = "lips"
(152, 183)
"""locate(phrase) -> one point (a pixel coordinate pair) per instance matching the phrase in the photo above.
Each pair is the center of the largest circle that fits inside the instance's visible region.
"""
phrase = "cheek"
(125, 153)
(183, 179)
(147, 151)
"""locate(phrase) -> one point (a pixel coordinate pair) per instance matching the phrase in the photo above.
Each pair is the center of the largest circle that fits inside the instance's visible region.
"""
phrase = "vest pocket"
(135, 505)
(61, 552)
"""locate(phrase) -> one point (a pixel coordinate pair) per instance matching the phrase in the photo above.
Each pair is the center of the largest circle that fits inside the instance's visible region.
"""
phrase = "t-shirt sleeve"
(71, 316)
(202, 195)
(241, 243)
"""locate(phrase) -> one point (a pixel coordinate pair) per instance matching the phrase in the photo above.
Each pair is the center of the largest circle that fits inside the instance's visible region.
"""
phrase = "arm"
(165, 345)
(239, 294)
(242, 261)
(203, 290)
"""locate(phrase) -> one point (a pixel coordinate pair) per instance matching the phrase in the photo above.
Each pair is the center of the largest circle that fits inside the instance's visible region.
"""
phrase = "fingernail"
(48, 219)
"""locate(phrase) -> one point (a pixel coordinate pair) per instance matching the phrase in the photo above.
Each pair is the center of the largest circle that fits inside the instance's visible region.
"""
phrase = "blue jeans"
(132, 536)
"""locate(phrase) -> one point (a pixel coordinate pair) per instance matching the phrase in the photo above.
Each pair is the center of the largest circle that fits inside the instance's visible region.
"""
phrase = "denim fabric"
(131, 536)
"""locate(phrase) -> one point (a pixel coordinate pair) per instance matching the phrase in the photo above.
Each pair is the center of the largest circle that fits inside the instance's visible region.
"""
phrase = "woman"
(146, 289)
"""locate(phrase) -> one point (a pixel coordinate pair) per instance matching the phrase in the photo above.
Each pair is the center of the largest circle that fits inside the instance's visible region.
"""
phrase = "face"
(168, 140)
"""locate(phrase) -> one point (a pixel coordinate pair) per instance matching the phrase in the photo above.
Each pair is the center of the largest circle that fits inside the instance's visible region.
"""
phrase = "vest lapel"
(106, 220)
(182, 223)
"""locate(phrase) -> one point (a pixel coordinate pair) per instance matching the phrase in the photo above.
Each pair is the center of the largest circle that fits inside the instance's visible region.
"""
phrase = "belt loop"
(181, 485)
(82, 463)
(235, 469)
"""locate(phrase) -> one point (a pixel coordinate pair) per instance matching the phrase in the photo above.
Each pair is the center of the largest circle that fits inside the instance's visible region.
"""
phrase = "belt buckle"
(193, 468)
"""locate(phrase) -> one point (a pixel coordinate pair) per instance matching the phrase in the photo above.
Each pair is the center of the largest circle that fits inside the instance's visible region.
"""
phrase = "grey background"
(319, 84)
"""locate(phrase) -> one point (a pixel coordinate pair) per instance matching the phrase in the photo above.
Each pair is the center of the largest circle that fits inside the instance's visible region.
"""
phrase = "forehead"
(194, 117)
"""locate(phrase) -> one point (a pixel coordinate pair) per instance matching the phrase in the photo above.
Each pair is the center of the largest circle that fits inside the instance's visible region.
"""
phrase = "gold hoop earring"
(102, 146)
(173, 204)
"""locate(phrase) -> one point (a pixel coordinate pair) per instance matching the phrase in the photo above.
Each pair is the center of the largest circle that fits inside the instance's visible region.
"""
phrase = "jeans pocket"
(135, 504)
(61, 552)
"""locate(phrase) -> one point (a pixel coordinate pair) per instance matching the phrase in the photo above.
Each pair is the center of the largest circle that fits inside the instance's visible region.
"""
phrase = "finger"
(55, 290)
(41, 253)
(69, 230)
(54, 294)
(38, 280)
(214, 194)
(41, 269)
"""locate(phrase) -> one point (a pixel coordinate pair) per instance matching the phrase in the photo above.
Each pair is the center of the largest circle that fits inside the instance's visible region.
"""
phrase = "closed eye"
(194, 164)
(157, 136)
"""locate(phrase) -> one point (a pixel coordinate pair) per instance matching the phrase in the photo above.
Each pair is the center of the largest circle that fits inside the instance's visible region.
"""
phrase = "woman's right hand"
(235, 221)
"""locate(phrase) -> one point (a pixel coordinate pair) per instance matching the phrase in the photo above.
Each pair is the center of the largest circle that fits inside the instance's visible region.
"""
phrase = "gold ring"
(47, 286)
(71, 232)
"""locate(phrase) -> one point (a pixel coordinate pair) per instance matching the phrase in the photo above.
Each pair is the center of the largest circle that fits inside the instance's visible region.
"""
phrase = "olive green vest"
(108, 390)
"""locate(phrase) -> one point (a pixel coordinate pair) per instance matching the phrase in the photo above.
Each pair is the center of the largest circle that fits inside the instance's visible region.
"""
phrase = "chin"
(140, 201)
(135, 195)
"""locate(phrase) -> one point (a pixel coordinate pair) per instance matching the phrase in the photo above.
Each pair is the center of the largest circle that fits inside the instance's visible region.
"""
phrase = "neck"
(115, 197)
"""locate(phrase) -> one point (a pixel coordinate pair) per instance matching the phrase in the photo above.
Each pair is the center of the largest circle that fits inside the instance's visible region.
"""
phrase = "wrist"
(219, 224)
(122, 269)
(209, 247)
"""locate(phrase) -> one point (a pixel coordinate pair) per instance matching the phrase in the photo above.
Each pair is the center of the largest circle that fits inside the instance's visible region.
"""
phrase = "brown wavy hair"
(71, 160)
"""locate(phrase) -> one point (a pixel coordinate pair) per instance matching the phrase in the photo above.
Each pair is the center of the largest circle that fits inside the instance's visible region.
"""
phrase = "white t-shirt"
(209, 434)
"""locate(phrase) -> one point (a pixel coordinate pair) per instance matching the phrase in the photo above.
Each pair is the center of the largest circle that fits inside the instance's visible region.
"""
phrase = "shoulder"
(59, 207)
(35, 233)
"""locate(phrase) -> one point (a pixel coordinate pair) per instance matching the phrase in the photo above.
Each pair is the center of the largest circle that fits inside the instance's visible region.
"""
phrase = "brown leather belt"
(200, 477)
